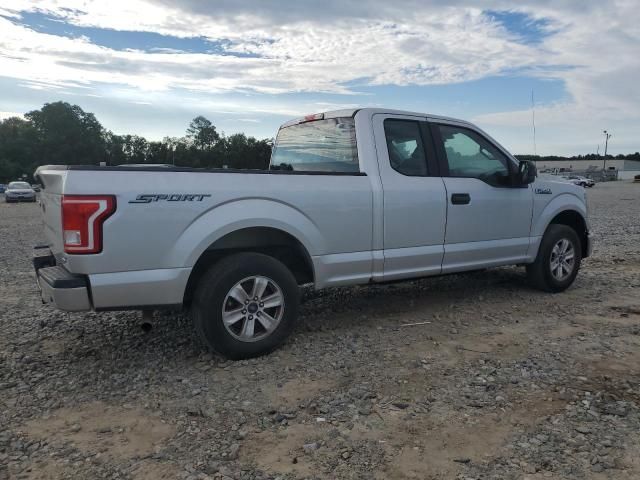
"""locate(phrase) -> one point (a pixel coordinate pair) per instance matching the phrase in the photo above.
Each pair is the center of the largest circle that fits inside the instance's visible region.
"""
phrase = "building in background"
(625, 169)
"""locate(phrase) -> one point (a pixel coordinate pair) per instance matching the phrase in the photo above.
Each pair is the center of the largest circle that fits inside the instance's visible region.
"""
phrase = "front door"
(488, 219)
(414, 200)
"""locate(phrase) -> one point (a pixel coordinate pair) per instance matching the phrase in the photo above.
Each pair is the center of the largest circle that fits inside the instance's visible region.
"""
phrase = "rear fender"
(239, 214)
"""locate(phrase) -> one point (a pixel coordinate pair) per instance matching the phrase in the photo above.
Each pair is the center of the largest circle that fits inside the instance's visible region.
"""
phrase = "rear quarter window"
(320, 146)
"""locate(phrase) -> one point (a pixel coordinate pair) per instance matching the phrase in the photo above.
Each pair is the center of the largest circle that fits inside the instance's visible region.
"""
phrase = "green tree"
(61, 133)
(202, 133)
(157, 152)
(135, 149)
(66, 134)
(244, 152)
(18, 148)
(114, 149)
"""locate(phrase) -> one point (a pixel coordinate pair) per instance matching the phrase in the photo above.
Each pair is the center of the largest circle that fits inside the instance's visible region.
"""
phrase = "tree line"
(588, 156)
(63, 134)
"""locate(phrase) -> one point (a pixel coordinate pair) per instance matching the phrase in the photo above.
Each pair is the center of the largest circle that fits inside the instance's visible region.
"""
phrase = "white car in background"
(579, 180)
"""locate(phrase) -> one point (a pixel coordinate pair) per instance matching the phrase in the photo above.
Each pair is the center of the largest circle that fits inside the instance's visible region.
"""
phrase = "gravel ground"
(495, 380)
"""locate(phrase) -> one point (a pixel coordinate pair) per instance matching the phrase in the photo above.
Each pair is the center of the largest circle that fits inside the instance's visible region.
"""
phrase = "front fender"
(244, 213)
(547, 212)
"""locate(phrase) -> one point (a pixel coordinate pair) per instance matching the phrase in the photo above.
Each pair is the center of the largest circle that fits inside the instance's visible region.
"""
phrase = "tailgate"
(52, 179)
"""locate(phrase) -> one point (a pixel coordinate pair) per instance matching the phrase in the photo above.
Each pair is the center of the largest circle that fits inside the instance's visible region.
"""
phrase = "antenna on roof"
(533, 122)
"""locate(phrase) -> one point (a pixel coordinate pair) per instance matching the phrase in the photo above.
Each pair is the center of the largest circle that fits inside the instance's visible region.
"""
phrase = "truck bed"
(167, 217)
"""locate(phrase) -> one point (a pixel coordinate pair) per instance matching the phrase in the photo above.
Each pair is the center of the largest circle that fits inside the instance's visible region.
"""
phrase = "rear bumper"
(138, 289)
(60, 287)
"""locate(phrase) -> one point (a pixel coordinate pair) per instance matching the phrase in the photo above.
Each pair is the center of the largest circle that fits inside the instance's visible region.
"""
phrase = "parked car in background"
(19, 192)
(579, 180)
(2, 187)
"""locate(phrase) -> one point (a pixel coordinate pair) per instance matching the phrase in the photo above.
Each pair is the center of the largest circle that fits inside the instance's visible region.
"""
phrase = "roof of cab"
(369, 111)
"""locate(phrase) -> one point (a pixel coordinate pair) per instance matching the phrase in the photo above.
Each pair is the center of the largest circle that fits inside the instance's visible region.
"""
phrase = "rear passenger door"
(414, 197)
(488, 217)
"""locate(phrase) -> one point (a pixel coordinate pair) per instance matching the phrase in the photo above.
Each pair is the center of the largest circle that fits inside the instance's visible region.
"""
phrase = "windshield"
(319, 146)
(19, 185)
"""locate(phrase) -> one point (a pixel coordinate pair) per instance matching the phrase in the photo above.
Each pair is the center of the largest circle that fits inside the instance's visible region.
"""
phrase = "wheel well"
(269, 241)
(573, 219)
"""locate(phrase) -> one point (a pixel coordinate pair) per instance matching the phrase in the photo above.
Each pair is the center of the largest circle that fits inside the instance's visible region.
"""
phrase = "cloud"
(601, 44)
(306, 56)
(4, 115)
(336, 47)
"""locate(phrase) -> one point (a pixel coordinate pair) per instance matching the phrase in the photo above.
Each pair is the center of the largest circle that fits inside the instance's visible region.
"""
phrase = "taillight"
(82, 219)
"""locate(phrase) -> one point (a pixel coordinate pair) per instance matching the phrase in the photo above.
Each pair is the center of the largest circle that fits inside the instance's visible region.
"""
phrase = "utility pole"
(533, 124)
(607, 136)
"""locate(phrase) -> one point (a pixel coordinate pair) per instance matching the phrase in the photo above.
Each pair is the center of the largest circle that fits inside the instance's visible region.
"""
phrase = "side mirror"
(527, 172)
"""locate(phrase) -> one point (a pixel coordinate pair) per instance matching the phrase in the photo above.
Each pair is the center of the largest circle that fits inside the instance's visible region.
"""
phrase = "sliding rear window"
(319, 146)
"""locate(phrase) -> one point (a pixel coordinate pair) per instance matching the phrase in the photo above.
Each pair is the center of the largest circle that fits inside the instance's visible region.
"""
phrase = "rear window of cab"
(327, 145)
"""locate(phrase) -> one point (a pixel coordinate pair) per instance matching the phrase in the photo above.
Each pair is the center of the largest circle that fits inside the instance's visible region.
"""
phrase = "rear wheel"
(246, 305)
(558, 259)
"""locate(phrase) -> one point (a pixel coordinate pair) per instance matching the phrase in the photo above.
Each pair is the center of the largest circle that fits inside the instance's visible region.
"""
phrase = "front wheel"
(246, 305)
(558, 259)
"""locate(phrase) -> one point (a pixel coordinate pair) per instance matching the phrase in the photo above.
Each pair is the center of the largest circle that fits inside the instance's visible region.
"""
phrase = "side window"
(469, 155)
(406, 151)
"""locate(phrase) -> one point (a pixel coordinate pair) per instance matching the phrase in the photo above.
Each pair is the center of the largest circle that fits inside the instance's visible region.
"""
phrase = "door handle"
(460, 198)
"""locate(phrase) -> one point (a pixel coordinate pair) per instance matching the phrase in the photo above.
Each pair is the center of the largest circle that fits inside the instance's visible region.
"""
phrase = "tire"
(259, 329)
(541, 273)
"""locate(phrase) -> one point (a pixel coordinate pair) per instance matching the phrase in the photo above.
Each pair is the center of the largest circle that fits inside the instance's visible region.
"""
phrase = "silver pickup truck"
(351, 197)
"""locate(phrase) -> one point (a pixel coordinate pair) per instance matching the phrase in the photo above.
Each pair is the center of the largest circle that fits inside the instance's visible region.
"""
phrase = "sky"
(148, 67)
